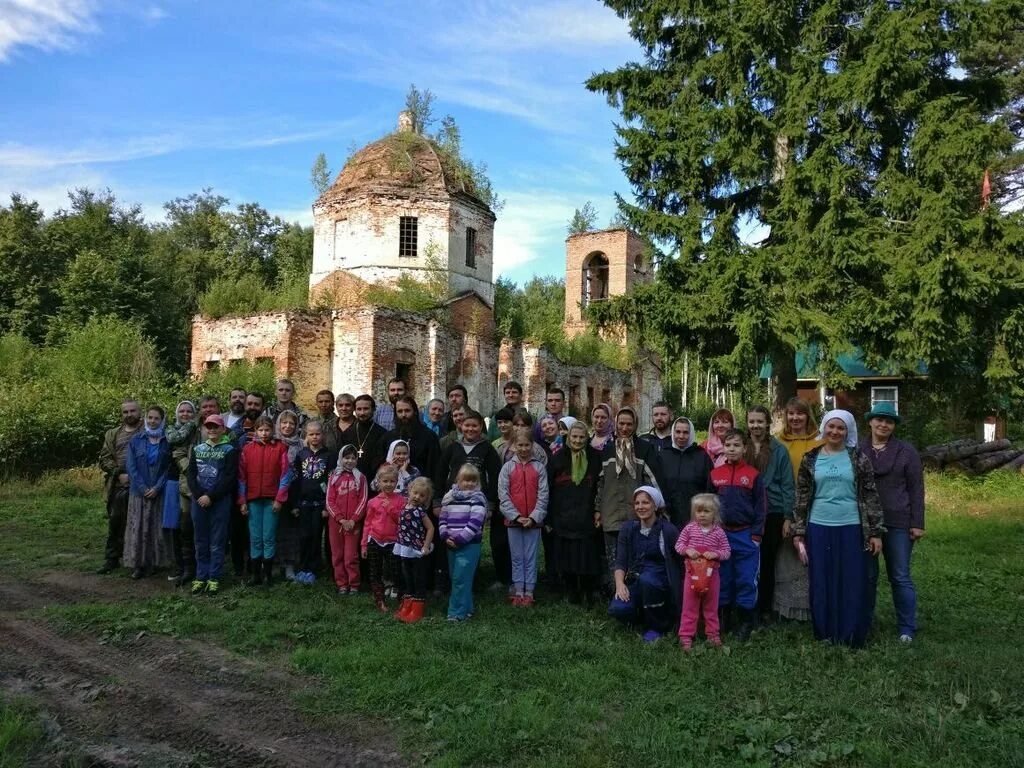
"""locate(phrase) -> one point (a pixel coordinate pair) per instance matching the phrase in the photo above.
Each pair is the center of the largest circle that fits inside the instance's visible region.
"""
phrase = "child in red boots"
(413, 548)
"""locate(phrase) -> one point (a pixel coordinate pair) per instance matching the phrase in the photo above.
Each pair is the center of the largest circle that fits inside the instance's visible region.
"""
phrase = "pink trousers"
(345, 555)
(694, 605)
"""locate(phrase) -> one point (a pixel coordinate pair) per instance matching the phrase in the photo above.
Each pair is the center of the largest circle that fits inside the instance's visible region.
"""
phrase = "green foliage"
(535, 313)
(583, 219)
(252, 377)
(320, 175)
(98, 258)
(423, 292)
(58, 400)
(420, 105)
(857, 138)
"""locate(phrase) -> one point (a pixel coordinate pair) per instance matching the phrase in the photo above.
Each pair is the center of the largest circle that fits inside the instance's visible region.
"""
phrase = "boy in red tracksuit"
(741, 492)
(264, 476)
(346, 507)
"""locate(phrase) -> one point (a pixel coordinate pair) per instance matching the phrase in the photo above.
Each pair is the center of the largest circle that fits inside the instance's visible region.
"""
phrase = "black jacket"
(571, 506)
(482, 456)
(687, 472)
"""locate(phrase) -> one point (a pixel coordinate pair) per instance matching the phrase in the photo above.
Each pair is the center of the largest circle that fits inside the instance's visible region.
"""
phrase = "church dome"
(403, 164)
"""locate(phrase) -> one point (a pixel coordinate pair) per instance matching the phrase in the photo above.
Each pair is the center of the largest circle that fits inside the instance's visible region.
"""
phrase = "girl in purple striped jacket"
(461, 523)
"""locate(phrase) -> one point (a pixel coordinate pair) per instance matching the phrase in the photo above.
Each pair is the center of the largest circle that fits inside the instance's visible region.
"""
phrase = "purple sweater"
(462, 516)
(900, 482)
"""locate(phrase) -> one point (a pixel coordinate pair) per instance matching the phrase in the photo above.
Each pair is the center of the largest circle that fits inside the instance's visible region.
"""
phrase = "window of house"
(211, 365)
(408, 230)
(886, 395)
(264, 361)
(828, 398)
(470, 247)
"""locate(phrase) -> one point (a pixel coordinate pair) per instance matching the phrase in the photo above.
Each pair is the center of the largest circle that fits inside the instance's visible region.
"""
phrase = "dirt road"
(157, 701)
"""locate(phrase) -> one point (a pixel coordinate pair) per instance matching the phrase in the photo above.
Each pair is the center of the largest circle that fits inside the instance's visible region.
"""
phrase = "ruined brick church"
(399, 208)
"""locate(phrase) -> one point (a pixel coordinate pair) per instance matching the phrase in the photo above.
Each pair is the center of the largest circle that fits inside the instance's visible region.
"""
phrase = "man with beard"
(236, 408)
(243, 429)
(457, 398)
(113, 462)
(367, 437)
(285, 391)
(660, 435)
(385, 414)
(513, 392)
(423, 444)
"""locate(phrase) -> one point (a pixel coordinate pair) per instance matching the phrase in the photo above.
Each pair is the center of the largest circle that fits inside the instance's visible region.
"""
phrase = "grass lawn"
(559, 685)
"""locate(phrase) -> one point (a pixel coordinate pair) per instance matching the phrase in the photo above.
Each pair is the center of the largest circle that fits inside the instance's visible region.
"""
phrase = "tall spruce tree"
(852, 139)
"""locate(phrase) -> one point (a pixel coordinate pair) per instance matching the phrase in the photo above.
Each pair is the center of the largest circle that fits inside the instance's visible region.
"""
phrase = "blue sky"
(159, 100)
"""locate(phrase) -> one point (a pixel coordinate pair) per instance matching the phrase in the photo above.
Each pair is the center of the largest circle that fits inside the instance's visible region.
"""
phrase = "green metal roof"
(851, 363)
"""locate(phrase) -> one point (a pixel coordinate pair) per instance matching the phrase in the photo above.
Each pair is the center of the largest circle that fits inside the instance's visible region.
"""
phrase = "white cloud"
(529, 227)
(46, 24)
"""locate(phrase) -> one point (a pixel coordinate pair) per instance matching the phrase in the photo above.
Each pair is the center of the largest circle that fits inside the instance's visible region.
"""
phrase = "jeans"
(211, 533)
(648, 604)
(262, 529)
(522, 544)
(897, 548)
(462, 563)
(117, 520)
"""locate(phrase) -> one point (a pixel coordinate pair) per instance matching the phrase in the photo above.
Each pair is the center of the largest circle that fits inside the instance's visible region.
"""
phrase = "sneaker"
(212, 587)
(715, 641)
(456, 619)
(343, 591)
(289, 573)
(391, 593)
(905, 638)
(198, 586)
(310, 578)
(526, 601)
(651, 636)
(686, 643)
(497, 586)
(351, 590)
(174, 576)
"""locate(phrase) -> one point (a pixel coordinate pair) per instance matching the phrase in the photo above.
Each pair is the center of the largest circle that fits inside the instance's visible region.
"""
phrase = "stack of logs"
(974, 457)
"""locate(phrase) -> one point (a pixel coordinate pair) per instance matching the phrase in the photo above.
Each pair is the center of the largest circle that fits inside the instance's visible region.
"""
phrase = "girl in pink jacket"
(704, 545)
(346, 508)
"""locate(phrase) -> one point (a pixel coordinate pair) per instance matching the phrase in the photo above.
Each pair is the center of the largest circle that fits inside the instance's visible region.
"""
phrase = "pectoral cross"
(359, 453)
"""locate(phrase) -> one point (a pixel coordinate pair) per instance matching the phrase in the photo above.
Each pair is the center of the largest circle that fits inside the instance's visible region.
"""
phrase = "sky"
(157, 100)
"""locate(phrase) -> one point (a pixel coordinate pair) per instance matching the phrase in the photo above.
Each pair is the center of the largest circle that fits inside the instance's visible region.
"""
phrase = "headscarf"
(847, 418)
(693, 434)
(559, 442)
(294, 442)
(625, 458)
(654, 493)
(407, 473)
(434, 427)
(180, 431)
(600, 439)
(158, 430)
(713, 445)
(579, 458)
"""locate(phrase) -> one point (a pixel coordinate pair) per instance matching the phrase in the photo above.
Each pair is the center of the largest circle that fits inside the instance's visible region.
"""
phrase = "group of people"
(741, 529)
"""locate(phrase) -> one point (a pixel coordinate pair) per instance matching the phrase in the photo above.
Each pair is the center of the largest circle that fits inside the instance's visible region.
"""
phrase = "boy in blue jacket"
(741, 491)
(213, 480)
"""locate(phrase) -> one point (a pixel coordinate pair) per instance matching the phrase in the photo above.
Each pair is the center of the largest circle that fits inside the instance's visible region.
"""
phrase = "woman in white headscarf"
(837, 523)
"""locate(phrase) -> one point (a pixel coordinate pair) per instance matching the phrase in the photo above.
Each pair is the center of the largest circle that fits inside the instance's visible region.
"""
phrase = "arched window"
(638, 264)
(595, 278)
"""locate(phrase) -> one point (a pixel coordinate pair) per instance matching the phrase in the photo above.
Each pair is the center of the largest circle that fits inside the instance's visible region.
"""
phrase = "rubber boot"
(415, 611)
(255, 572)
(747, 623)
(268, 571)
(403, 609)
(378, 597)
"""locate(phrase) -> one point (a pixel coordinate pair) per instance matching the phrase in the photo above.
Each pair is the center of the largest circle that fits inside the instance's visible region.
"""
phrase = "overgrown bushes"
(57, 401)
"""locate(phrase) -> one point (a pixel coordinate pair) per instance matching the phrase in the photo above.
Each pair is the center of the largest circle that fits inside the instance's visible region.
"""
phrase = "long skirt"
(289, 537)
(843, 578)
(791, 599)
(146, 543)
(578, 556)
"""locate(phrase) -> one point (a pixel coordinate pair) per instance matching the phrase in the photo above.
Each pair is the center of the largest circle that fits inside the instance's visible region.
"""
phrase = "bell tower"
(598, 266)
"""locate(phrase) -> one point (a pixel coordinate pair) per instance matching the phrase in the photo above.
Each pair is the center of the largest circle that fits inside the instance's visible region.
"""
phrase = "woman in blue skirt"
(839, 516)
